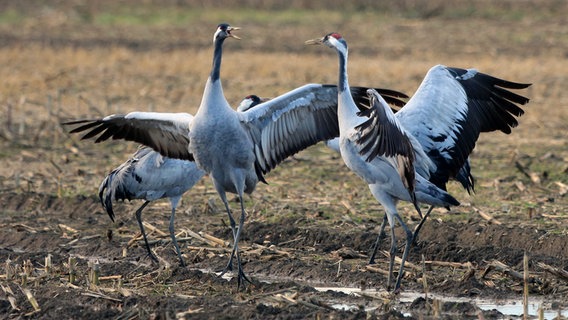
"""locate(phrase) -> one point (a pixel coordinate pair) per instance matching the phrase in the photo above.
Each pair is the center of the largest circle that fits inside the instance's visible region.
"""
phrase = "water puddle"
(227, 275)
(515, 308)
(509, 307)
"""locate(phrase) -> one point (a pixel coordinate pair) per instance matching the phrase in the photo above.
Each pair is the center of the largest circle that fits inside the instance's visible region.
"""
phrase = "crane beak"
(232, 35)
(314, 41)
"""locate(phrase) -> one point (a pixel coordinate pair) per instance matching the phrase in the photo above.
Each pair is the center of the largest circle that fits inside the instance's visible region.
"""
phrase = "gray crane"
(411, 155)
(149, 176)
(235, 148)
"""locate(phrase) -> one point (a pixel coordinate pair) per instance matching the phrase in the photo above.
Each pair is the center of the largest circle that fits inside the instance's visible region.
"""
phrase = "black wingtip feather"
(491, 106)
(381, 139)
(118, 127)
(105, 197)
(87, 126)
(392, 97)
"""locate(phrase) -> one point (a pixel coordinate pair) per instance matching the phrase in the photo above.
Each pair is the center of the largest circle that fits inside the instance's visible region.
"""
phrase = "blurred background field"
(71, 59)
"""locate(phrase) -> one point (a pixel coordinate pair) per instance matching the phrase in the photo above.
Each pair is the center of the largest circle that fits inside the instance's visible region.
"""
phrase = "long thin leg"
(393, 250)
(229, 266)
(409, 240)
(139, 219)
(378, 241)
(173, 236)
(239, 179)
(232, 222)
(417, 207)
(241, 276)
(419, 226)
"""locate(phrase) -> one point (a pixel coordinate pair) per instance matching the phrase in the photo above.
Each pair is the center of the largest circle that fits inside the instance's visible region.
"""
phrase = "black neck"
(342, 84)
(216, 70)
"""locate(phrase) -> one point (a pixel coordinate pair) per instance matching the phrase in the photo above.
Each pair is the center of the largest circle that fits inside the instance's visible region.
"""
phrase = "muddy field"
(308, 232)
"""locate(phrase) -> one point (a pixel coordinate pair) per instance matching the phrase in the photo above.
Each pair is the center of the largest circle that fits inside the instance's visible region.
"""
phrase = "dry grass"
(52, 72)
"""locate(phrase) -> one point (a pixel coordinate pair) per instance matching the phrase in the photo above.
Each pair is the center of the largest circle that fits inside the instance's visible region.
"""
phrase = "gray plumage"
(433, 135)
(149, 176)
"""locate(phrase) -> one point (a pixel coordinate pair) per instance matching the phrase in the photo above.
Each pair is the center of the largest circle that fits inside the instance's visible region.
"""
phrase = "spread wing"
(451, 108)
(291, 122)
(167, 133)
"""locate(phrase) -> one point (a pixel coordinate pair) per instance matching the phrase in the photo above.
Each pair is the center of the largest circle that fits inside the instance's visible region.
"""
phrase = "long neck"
(343, 83)
(213, 97)
(217, 54)
(347, 109)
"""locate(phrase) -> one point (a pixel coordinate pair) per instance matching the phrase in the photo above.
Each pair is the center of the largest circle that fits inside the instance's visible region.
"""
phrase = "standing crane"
(235, 148)
(411, 155)
(149, 176)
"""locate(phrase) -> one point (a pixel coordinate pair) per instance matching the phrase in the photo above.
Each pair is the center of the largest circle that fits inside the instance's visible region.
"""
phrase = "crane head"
(224, 32)
(249, 102)
(332, 40)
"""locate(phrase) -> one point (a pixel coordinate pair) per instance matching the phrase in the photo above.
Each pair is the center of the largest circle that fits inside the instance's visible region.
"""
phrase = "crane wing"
(291, 122)
(167, 133)
(113, 186)
(392, 97)
(451, 108)
(381, 135)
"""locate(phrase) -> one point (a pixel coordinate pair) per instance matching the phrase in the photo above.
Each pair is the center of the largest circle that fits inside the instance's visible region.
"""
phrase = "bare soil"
(287, 260)
(312, 227)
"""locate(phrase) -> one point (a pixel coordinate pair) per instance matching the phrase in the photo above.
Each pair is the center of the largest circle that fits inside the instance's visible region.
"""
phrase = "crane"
(149, 176)
(235, 148)
(411, 155)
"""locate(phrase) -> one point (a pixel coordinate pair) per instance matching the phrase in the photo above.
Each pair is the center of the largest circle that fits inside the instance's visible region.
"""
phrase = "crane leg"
(417, 207)
(241, 278)
(229, 266)
(409, 241)
(378, 241)
(173, 236)
(419, 226)
(392, 252)
(141, 226)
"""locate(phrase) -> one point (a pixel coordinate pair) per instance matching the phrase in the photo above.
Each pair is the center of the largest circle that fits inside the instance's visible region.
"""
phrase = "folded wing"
(382, 136)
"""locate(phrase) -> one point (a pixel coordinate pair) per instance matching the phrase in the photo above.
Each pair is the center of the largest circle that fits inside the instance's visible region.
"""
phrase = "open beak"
(232, 35)
(314, 41)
